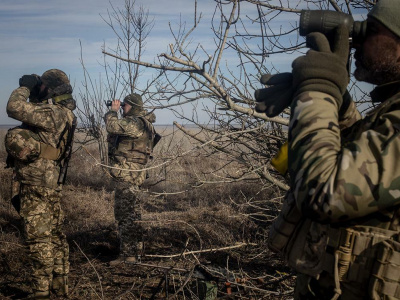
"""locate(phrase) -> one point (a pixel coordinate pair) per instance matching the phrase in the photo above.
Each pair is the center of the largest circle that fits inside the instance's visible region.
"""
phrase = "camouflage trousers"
(127, 212)
(47, 247)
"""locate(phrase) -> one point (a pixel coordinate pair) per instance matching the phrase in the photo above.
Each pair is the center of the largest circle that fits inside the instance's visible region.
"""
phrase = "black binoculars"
(325, 21)
(109, 102)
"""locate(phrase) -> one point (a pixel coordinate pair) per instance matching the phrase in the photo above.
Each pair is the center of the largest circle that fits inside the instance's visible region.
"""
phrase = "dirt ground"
(207, 238)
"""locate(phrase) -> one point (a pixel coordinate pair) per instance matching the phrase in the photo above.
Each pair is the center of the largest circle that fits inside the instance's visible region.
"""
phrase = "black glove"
(30, 81)
(275, 98)
(323, 69)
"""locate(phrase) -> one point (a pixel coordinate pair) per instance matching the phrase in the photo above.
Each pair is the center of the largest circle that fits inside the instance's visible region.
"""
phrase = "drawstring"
(337, 289)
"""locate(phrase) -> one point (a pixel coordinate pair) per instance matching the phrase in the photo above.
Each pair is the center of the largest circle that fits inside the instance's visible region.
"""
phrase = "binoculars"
(109, 102)
(325, 21)
(33, 82)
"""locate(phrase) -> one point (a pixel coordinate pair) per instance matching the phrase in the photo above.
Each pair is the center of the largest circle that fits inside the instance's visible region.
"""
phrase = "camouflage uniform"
(347, 178)
(130, 145)
(40, 192)
(339, 225)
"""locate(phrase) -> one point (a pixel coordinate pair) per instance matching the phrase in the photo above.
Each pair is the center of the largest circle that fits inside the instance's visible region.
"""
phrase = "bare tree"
(220, 80)
(209, 84)
(131, 26)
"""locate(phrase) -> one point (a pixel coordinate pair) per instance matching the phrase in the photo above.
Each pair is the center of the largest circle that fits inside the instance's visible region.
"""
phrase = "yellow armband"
(280, 160)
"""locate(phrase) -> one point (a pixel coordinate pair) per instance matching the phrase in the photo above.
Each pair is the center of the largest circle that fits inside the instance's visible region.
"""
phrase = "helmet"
(53, 78)
(134, 100)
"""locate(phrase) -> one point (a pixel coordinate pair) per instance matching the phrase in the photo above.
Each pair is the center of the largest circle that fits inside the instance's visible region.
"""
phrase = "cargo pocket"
(385, 276)
(22, 144)
(300, 240)
(284, 226)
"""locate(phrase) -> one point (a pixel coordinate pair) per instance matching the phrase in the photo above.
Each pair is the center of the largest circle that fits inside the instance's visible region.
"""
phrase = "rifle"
(15, 190)
(67, 154)
(157, 138)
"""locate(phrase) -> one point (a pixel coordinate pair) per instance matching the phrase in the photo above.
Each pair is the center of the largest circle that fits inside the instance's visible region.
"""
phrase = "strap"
(390, 289)
(48, 152)
(394, 258)
(363, 241)
(57, 99)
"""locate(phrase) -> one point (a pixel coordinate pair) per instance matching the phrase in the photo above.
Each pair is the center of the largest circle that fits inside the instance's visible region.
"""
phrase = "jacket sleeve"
(133, 127)
(46, 117)
(349, 116)
(334, 180)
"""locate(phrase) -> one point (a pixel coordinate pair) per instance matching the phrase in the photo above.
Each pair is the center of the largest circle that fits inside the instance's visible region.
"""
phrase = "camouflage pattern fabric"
(338, 176)
(127, 209)
(49, 121)
(127, 212)
(308, 288)
(21, 144)
(131, 126)
(40, 208)
(46, 244)
(121, 167)
(345, 171)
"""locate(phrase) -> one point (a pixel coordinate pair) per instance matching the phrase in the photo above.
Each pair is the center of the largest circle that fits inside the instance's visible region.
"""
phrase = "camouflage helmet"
(134, 100)
(53, 78)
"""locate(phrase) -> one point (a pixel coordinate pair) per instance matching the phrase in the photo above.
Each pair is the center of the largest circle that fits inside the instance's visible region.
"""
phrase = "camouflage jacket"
(130, 143)
(49, 122)
(348, 175)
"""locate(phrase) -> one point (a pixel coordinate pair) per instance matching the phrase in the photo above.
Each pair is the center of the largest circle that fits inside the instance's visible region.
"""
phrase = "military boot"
(123, 259)
(60, 285)
(39, 295)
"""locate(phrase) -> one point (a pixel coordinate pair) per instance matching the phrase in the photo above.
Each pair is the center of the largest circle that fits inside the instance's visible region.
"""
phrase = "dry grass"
(183, 212)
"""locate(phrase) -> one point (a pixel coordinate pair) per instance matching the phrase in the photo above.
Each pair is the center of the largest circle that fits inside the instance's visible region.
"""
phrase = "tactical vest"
(366, 255)
(134, 149)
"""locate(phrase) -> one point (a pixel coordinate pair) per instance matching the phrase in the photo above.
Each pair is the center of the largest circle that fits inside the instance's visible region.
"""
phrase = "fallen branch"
(202, 251)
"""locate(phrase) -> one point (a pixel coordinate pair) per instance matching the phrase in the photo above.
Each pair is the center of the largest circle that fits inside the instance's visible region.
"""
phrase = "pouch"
(22, 144)
(385, 277)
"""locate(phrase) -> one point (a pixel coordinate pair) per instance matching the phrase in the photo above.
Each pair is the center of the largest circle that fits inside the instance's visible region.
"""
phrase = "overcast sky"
(38, 35)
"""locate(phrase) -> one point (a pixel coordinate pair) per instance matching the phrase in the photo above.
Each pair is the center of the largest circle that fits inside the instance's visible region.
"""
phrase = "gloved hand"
(275, 98)
(323, 69)
(30, 81)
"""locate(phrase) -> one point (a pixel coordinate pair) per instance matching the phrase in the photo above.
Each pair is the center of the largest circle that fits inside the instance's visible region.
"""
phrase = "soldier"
(339, 226)
(131, 141)
(39, 150)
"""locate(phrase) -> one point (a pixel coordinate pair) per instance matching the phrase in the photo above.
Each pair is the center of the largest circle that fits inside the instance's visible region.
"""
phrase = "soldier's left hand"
(115, 105)
(323, 69)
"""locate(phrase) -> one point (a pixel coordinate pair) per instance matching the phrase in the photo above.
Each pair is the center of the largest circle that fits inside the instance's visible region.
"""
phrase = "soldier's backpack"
(23, 144)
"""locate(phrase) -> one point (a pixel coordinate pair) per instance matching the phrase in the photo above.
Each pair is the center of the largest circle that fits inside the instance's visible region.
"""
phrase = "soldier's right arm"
(348, 113)
(45, 117)
(133, 127)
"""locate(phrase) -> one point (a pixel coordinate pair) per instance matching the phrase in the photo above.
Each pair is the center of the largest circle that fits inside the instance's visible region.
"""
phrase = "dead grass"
(183, 212)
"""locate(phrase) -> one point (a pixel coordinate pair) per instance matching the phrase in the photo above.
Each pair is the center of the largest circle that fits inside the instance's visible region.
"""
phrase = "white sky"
(38, 35)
